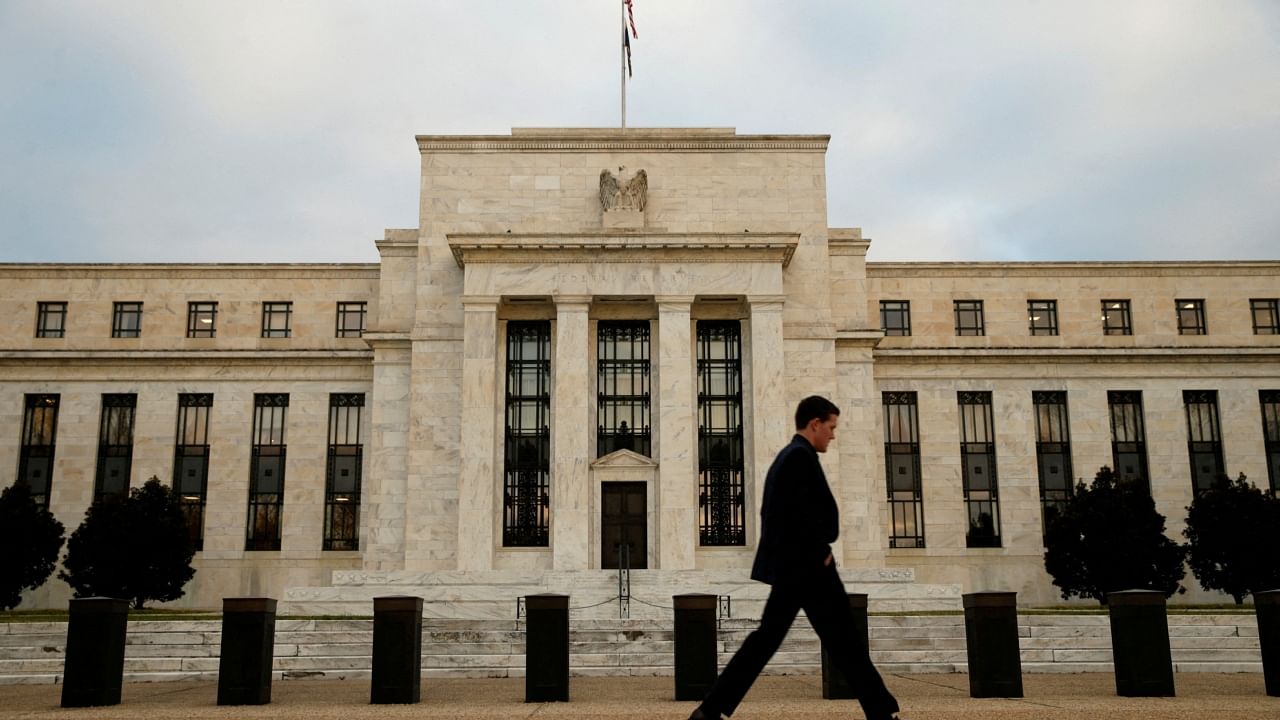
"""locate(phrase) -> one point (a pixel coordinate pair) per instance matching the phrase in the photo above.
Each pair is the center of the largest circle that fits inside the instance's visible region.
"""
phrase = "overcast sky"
(232, 131)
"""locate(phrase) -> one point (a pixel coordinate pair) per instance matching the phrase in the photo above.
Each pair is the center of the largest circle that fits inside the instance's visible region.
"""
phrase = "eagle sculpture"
(630, 196)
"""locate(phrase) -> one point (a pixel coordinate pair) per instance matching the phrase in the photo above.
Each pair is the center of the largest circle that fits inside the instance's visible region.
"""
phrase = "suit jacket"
(798, 518)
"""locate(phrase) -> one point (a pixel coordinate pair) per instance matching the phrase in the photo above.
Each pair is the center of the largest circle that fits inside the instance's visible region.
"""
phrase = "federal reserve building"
(580, 365)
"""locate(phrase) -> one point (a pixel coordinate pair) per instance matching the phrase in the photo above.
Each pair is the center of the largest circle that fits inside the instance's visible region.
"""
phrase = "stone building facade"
(560, 362)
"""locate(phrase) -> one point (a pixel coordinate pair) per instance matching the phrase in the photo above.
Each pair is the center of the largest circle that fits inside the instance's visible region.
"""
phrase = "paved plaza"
(923, 697)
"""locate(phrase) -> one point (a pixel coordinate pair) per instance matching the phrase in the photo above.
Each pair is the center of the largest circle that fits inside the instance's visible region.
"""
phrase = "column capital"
(764, 302)
(569, 301)
(674, 301)
(480, 303)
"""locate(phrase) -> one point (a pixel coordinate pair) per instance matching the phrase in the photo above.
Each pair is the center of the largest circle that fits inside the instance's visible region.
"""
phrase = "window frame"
(46, 312)
(975, 311)
(195, 411)
(978, 450)
(1198, 324)
(722, 517)
(272, 311)
(115, 442)
(1204, 437)
(198, 309)
(611, 368)
(1036, 325)
(344, 312)
(1129, 405)
(1270, 306)
(1125, 310)
(342, 507)
(902, 440)
(266, 506)
(526, 462)
(904, 313)
(1269, 400)
(46, 406)
(1053, 440)
(119, 312)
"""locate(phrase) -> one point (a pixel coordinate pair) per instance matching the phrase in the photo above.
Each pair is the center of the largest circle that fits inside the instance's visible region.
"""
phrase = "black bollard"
(991, 642)
(834, 684)
(93, 671)
(397, 650)
(1266, 605)
(546, 648)
(695, 620)
(248, 648)
(1140, 644)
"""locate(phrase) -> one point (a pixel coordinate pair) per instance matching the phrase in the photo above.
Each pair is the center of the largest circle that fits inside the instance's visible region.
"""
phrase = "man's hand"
(830, 559)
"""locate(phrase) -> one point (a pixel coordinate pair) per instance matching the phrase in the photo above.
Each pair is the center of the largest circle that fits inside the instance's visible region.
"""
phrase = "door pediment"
(619, 459)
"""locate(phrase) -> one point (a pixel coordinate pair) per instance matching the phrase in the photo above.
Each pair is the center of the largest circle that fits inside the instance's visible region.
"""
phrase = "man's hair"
(814, 407)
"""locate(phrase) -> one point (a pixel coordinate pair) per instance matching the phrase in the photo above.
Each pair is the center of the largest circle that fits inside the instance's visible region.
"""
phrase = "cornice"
(1219, 268)
(675, 140)
(1078, 354)
(177, 357)
(609, 247)
(188, 270)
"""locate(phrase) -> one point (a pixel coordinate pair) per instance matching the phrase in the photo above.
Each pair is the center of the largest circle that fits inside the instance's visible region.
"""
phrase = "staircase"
(188, 650)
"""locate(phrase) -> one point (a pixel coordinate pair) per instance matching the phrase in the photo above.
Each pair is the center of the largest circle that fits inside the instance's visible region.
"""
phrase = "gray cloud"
(240, 131)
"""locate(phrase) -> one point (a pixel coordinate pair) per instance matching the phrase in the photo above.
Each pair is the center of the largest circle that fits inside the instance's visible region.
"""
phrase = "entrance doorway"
(623, 522)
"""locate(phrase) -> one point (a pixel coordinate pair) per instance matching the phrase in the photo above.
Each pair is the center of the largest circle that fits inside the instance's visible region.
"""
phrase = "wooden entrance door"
(623, 521)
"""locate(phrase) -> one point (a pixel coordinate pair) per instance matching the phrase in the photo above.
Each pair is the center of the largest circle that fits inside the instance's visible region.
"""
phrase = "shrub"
(136, 547)
(30, 539)
(1109, 537)
(1233, 533)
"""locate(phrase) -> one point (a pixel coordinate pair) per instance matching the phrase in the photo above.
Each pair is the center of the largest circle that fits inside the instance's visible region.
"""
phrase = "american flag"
(631, 18)
(626, 45)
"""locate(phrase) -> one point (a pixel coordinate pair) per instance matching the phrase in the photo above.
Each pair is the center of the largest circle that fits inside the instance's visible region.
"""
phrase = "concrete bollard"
(93, 671)
(1140, 643)
(991, 643)
(834, 684)
(1266, 605)
(397, 650)
(546, 648)
(695, 661)
(248, 649)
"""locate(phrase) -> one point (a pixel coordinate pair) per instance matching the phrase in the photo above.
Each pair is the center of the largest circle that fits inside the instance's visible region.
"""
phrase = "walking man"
(798, 522)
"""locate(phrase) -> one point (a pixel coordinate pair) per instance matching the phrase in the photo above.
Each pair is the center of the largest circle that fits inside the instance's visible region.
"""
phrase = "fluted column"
(771, 418)
(477, 479)
(570, 493)
(677, 436)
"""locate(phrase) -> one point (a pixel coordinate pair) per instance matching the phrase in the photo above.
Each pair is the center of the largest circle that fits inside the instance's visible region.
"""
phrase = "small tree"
(30, 539)
(1109, 537)
(136, 547)
(1233, 533)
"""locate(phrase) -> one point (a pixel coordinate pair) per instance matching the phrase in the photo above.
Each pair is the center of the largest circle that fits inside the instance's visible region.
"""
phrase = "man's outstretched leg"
(828, 611)
(745, 665)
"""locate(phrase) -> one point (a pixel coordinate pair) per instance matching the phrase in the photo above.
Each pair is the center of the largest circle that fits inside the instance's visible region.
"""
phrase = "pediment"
(624, 459)
(595, 247)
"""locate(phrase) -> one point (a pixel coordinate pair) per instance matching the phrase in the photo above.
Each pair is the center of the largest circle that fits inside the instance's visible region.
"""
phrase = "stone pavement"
(923, 697)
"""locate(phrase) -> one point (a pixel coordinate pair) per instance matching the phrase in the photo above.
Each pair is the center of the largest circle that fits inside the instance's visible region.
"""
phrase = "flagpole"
(622, 7)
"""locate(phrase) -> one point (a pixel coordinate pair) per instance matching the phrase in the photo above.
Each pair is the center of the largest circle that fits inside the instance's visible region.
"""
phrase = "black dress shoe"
(699, 714)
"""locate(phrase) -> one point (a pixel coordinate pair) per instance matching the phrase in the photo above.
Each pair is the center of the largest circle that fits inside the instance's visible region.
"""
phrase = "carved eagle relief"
(617, 196)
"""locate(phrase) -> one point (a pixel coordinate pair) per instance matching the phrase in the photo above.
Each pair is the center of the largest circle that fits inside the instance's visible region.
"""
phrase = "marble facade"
(511, 229)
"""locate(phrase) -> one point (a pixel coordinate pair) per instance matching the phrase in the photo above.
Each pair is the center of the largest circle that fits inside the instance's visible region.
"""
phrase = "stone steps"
(188, 650)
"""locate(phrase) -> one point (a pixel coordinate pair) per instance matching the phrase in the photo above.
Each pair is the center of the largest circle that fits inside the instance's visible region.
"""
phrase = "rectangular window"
(1053, 453)
(351, 317)
(1128, 437)
(51, 319)
(1270, 400)
(978, 460)
(266, 471)
(902, 470)
(275, 319)
(721, 484)
(526, 500)
(622, 380)
(1115, 318)
(1043, 316)
(39, 437)
(1266, 316)
(115, 445)
(895, 317)
(126, 320)
(191, 460)
(969, 319)
(1191, 317)
(1204, 438)
(342, 473)
(202, 319)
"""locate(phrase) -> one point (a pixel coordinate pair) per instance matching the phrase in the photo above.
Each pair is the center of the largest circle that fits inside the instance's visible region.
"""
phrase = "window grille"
(115, 445)
(1042, 315)
(526, 501)
(126, 320)
(351, 319)
(978, 460)
(1204, 438)
(902, 470)
(266, 471)
(1266, 316)
(276, 317)
(39, 440)
(51, 319)
(191, 460)
(1128, 437)
(895, 317)
(622, 380)
(1053, 454)
(202, 319)
(1191, 320)
(343, 473)
(1115, 318)
(969, 319)
(721, 484)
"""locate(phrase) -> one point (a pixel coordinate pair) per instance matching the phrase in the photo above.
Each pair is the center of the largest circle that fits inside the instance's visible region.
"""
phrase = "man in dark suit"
(798, 522)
